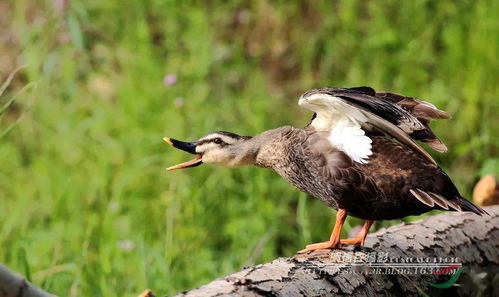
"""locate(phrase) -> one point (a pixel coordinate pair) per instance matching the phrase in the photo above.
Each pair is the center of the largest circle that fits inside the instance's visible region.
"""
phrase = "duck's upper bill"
(189, 147)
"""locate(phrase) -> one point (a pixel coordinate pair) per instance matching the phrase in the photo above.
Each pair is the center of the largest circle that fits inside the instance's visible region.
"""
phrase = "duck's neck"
(244, 153)
(275, 146)
(271, 149)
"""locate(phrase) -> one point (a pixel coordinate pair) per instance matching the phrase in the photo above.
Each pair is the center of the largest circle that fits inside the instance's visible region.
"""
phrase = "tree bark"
(14, 285)
(462, 237)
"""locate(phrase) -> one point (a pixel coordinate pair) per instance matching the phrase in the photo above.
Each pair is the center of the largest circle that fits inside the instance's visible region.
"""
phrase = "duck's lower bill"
(192, 163)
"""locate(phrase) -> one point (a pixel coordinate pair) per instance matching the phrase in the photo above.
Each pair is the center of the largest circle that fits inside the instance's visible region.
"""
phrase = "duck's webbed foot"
(361, 236)
(320, 246)
(352, 241)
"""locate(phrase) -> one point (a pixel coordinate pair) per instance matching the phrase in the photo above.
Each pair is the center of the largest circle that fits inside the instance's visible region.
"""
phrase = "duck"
(360, 155)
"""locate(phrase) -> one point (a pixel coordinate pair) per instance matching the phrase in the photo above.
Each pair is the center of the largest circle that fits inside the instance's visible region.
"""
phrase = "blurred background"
(87, 208)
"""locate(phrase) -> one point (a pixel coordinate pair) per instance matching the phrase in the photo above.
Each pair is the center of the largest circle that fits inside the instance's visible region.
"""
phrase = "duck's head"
(220, 147)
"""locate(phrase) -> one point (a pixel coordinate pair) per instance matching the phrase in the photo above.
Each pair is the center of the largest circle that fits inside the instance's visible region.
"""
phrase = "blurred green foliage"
(87, 207)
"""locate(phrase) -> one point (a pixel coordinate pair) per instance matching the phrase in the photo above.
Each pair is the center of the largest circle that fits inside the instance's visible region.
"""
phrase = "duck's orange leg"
(334, 240)
(361, 236)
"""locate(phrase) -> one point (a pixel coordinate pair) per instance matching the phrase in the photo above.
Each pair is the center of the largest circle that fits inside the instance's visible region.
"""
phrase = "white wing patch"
(345, 120)
(348, 136)
(342, 121)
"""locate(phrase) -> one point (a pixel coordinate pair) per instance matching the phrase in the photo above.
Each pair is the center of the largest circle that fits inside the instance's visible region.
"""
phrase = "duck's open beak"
(189, 147)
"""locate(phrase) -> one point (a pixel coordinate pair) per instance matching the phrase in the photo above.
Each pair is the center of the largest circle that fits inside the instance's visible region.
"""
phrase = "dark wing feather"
(393, 113)
(424, 112)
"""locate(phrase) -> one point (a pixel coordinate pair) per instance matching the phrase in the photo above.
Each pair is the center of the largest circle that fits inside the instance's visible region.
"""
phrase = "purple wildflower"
(170, 79)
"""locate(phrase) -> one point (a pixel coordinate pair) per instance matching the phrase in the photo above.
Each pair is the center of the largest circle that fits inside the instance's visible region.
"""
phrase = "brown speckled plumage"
(378, 190)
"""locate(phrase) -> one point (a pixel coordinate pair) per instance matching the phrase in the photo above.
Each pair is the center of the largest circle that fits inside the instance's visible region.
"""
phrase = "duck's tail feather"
(467, 205)
(458, 203)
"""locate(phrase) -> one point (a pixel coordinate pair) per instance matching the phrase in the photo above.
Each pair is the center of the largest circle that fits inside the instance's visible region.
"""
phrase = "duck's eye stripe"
(213, 140)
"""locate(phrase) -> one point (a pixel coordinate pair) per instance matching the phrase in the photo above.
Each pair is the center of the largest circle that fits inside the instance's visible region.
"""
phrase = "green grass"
(87, 207)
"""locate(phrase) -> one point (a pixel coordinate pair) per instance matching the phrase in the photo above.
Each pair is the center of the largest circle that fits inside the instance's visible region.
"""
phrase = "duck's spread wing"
(349, 113)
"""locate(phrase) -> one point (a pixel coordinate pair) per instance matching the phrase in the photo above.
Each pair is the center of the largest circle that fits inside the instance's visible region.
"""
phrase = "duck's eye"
(218, 141)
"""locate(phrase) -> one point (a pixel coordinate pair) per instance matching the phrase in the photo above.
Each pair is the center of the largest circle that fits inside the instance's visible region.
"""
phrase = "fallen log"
(14, 285)
(450, 254)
